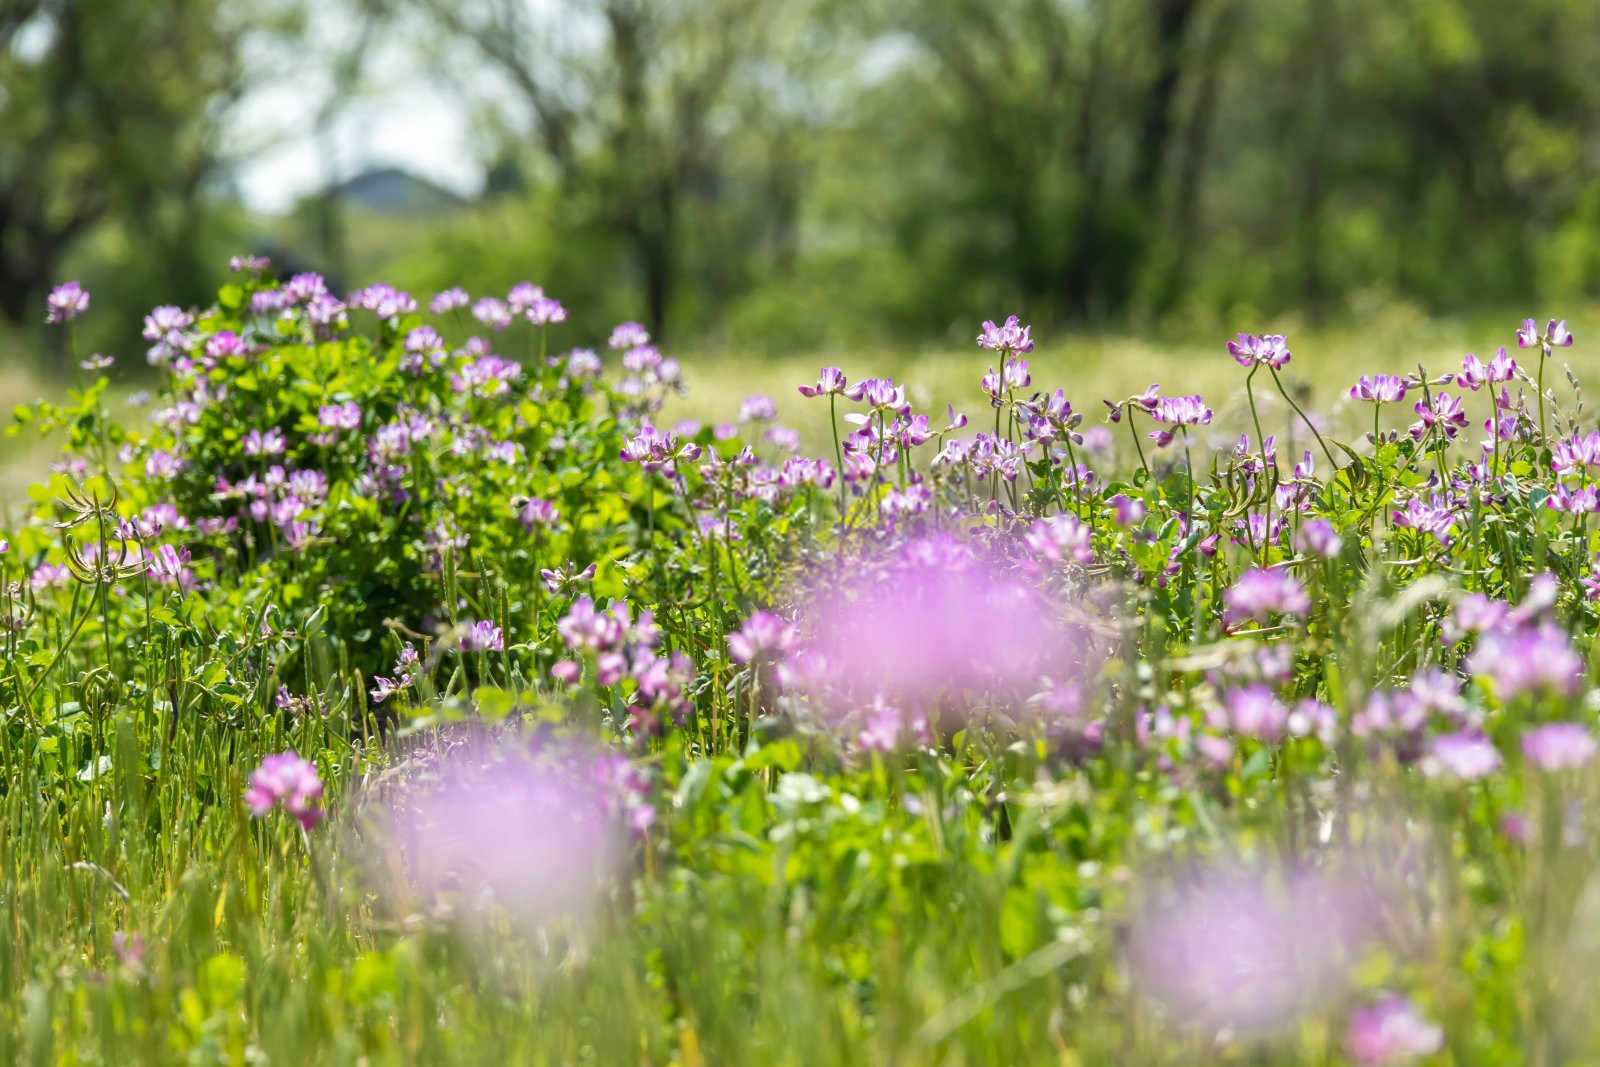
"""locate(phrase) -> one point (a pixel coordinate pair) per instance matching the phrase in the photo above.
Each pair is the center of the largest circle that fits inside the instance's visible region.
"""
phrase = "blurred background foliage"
(765, 177)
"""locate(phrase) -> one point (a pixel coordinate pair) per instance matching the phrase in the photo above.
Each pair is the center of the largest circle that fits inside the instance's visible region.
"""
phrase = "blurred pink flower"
(287, 779)
(534, 835)
(1250, 950)
(1391, 1031)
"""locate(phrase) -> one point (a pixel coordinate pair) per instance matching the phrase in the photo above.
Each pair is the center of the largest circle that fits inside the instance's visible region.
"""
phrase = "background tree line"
(787, 173)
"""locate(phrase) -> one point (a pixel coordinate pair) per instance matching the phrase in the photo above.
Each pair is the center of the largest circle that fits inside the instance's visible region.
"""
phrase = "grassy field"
(520, 732)
(1090, 366)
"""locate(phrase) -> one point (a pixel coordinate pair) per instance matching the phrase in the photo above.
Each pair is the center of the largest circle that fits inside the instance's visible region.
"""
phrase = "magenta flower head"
(763, 636)
(482, 636)
(628, 335)
(1555, 335)
(449, 300)
(1271, 349)
(758, 408)
(1529, 657)
(492, 312)
(1391, 1031)
(1380, 389)
(288, 780)
(529, 835)
(1250, 950)
(1465, 756)
(1012, 337)
(1558, 746)
(931, 623)
(1262, 593)
(1434, 516)
(66, 302)
(830, 381)
(1475, 374)
(1317, 537)
(1178, 411)
(1062, 537)
(1255, 711)
(1444, 411)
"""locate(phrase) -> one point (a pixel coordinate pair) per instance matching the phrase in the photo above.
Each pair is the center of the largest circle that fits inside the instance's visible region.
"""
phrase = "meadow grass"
(975, 762)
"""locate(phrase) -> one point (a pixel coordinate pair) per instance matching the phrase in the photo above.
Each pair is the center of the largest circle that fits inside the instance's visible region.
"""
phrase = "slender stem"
(1544, 435)
(838, 456)
(1137, 447)
(1188, 464)
(1305, 419)
(1261, 438)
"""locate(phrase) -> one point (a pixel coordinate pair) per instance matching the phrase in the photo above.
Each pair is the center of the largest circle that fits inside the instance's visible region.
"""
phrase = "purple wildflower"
(66, 302)
(482, 636)
(1270, 349)
(1442, 410)
(1255, 711)
(758, 408)
(1179, 411)
(492, 312)
(1558, 746)
(1318, 538)
(287, 779)
(1465, 756)
(1527, 658)
(1380, 388)
(1062, 537)
(1475, 374)
(1250, 950)
(1391, 1031)
(449, 300)
(1261, 593)
(763, 636)
(830, 380)
(1012, 337)
(628, 335)
(1435, 516)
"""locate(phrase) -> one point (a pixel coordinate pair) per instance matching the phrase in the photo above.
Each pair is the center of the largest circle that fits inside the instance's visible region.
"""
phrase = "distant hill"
(395, 191)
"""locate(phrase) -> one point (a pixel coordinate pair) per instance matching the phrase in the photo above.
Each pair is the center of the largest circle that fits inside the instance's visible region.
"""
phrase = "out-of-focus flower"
(1250, 950)
(1263, 592)
(482, 635)
(287, 779)
(1391, 1031)
(1061, 537)
(1317, 537)
(533, 836)
(492, 312)
(757, 408)
(1465, 756)
(1527, 658)
(129, 949)
(628, 335)
(66, 302)
(763, 635)
(1255, 711)
(449, 300)
(1558, 746)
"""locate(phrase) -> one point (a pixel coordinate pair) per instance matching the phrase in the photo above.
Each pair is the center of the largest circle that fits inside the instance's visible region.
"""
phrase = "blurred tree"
(641, 112)
(112, 111)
